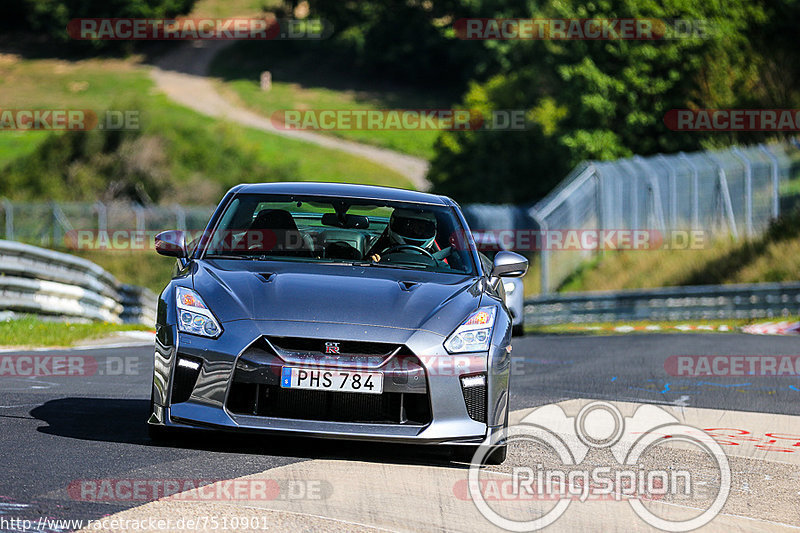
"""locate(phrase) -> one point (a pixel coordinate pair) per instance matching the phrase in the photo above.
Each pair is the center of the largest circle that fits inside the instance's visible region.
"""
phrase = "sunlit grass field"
(29, 331)
(101, 84)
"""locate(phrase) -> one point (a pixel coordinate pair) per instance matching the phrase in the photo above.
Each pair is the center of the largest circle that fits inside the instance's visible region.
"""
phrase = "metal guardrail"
(763, 300)
(44, 282)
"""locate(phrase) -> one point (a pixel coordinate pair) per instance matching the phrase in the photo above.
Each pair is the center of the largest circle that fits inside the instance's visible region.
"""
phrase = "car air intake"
(187, 370)
(474, 389)
(277, 402)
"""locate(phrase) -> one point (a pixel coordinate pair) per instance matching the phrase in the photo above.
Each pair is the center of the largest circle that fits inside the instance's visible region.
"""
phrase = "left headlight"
(194, 316)
(474, 334)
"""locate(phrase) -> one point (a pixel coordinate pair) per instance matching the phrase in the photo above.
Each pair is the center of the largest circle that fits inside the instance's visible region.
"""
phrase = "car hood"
(374, 296)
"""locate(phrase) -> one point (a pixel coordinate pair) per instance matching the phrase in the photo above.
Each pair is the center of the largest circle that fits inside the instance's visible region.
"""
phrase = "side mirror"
(509, 265)
(172, 243)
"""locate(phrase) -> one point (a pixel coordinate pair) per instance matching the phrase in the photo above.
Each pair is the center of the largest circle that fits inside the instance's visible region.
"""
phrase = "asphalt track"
(57, 431)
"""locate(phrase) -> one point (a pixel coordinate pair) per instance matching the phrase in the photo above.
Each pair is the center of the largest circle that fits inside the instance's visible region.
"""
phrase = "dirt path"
(182, 74)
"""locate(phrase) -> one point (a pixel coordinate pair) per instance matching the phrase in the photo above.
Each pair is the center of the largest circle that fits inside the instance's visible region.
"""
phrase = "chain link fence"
(47, 224)
(727, 192)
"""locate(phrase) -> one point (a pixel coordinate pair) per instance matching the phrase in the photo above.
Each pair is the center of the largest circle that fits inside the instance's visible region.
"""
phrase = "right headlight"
(194, 316)
(474, 334)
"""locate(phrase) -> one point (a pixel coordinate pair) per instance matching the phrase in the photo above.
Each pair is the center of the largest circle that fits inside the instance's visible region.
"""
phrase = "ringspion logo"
(601, 425)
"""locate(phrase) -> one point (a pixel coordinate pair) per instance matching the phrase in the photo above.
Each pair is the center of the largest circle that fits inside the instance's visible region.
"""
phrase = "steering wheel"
(410, 247)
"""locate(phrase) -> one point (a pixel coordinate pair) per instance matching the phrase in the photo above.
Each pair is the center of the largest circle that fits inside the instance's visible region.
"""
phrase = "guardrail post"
(54, 221)
(102, 217)
(748, 190)
(673, 191)
(180, 217)
(544, 255)
(725, 195)
(695, 191)
(60, 219)
(8, 207)
(599, 206)
(776, 205)
(140, 222)
(633, 218)
(655, 191)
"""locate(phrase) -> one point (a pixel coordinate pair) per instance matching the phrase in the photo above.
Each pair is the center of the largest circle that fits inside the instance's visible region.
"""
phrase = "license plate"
(331, 380)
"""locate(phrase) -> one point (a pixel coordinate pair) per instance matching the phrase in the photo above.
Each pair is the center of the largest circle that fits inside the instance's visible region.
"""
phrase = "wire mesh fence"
(726, 192)
(57, 225)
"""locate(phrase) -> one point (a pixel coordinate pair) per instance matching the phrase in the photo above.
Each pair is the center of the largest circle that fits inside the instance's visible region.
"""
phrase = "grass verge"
(308, 75)
(178, 156)
(772, 257)
(21, 331)
(645, 327)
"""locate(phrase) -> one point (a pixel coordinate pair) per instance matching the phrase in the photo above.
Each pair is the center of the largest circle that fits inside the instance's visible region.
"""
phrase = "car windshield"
(313, 229)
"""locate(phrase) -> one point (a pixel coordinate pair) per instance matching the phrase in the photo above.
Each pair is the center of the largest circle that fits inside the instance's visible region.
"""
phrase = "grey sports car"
(334, 310)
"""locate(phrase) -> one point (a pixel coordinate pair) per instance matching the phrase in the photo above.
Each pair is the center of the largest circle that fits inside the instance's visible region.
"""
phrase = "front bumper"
(421, 370)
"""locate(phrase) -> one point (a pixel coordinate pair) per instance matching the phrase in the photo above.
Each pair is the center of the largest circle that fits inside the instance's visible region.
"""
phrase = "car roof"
(350, 190)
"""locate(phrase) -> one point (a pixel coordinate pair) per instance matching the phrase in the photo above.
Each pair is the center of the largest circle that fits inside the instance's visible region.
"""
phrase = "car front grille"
(274, 401)
(255, 388)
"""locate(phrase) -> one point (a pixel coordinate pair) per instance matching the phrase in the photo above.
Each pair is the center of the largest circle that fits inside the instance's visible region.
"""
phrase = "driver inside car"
(408, 228)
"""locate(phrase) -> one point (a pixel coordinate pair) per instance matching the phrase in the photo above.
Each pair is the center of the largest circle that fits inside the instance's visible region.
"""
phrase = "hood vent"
(266, 277)
(408, 285)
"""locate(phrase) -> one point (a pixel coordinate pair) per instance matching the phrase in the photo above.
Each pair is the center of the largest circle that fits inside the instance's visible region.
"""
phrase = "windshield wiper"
(228, 256)
(388, 265)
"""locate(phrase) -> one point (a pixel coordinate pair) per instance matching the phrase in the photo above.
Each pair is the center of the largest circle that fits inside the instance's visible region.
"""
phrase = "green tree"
(598, 99)
(52, 16)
